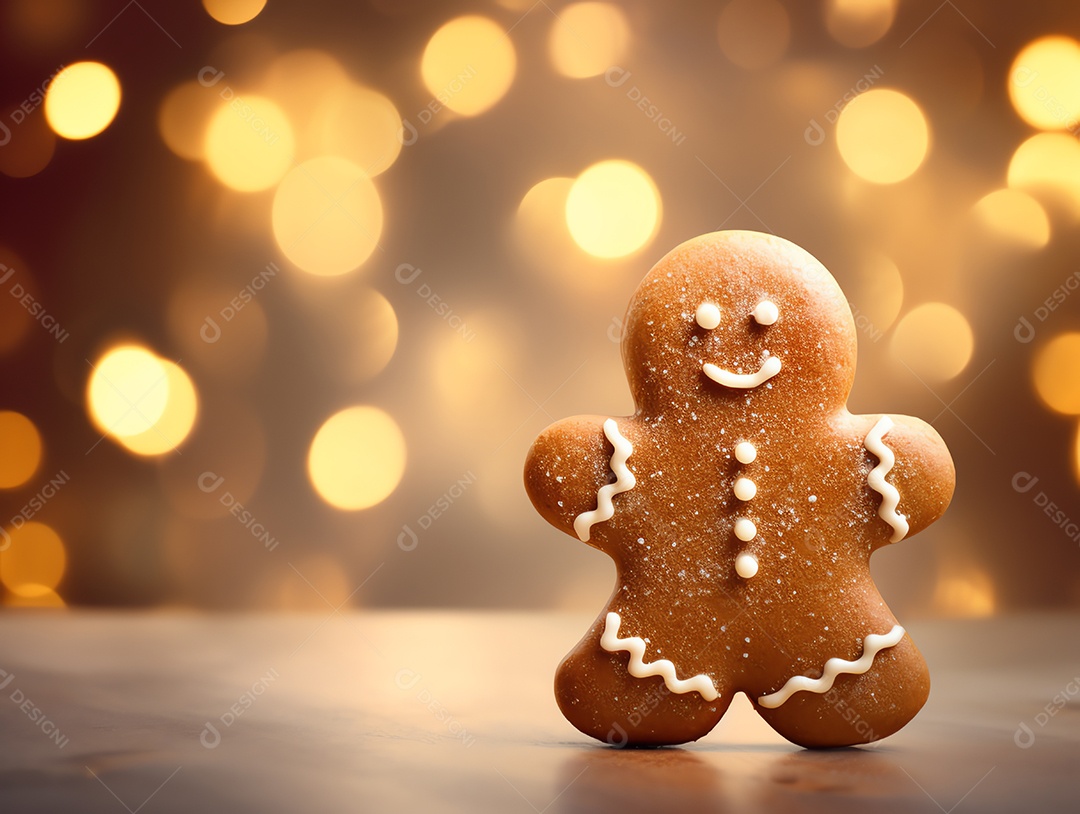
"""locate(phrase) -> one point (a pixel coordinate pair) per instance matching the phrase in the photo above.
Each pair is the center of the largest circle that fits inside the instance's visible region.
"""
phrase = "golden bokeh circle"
(613, 209)
(327, 216)
(882, 136)
(1056, 373)
(934, 340)
(357, 458)
(469, 64)
(82, 100)
(21, 445)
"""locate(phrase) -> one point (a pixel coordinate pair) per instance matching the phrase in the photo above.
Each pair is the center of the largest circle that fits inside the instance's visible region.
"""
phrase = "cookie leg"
(597, 694)
(857, 709)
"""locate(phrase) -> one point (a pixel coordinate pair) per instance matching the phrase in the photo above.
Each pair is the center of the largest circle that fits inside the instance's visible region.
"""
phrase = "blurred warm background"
(288, 288)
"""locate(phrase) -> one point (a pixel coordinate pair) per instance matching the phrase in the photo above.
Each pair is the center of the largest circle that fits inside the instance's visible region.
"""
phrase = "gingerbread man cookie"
(741, 503)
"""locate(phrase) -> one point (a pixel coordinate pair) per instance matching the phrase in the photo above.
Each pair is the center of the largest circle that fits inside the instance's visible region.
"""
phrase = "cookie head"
(738, 313)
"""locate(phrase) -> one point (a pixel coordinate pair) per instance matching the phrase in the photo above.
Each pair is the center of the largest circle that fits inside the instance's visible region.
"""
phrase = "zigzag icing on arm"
(624, 481)
(890, 496)
(639, 668)
(872, 645)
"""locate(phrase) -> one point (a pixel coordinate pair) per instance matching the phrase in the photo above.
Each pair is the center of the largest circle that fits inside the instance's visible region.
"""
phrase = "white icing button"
(766, 313)
(707, 316)
(745, 452)
(746, 565)
(745, 488)
(745, 529)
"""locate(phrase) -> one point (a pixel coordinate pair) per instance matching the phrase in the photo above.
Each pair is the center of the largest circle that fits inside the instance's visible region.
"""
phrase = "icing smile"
(765, 313)
(743, 381)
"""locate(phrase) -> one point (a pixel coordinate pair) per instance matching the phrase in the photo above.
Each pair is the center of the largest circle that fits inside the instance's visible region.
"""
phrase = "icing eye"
(707, 316)
(766, 313)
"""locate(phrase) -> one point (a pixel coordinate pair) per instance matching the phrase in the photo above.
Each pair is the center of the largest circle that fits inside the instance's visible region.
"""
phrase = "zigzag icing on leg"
(639, 668)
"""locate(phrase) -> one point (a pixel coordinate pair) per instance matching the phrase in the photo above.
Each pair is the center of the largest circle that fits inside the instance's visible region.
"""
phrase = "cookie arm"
(922, 473)
(567, 467)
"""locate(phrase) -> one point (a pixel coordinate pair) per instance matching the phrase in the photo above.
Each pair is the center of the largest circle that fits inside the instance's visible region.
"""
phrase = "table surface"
(438, 711)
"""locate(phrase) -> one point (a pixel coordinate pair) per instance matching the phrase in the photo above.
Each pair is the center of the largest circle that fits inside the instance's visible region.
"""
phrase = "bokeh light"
(1056, 373)
(33, 595)
(146, 403)
(15, 321)
(754, 33)
(233, 12)
(1044, 83)
(360, 125)
(327, 216)
(44, 23)
(33, 557)
(588, 38)
(303, 81)
(249, 143)
(876, 295)
(965, 592)
(211, 333)
(543, 237)
(357, 458)
(1015, 217)
(128, 391)
(176, 420)
(31, 146)
(882, 136)
(469, 64)
(357, 338)
(934, 340)
(858, 23)
(1048, 166)
(184, 116)
(613, 209)
(21, 445)
(82, 100)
